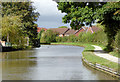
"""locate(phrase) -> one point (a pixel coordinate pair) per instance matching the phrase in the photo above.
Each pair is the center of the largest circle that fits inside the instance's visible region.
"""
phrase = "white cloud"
(49, 14)
(47, 7)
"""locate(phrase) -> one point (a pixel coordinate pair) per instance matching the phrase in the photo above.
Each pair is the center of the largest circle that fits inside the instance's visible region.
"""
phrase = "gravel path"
(99, 52)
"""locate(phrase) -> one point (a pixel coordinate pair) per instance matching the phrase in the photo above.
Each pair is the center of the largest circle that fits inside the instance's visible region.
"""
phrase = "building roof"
(71, 31)
(59, 30)
(93, 29)
(83, 29)
(39, 29)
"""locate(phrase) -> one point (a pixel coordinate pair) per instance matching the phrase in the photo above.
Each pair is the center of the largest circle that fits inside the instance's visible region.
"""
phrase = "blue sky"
(50, 17)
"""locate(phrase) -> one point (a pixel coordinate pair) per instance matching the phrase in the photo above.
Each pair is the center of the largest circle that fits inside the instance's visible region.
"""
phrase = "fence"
(102, 68)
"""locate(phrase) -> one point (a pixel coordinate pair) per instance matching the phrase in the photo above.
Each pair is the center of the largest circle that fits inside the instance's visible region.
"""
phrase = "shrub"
(86, 37)
(101, 37)
(58, 39)
(117, 41)
(65, 39)
(72, 38)
(48, 36)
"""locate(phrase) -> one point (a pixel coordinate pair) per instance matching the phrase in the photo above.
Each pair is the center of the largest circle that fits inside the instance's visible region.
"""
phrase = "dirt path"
(99, 52)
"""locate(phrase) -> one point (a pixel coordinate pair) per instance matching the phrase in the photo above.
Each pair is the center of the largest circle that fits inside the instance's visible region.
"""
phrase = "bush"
(117, 41)
(65, 39)
(72, 38)
(58, 39)
(101, 37)
(48, 36)
(86, 37)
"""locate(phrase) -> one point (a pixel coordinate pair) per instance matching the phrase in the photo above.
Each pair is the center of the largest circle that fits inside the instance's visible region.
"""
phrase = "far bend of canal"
(49, 62)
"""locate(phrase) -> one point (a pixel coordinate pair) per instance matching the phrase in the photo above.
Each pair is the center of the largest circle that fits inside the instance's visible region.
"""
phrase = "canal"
(49, 62)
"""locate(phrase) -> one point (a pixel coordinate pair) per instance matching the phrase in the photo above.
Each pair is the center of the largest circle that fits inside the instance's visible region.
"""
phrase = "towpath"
(99, 52)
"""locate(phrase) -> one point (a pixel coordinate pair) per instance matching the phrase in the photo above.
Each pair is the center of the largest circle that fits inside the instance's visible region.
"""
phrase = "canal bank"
(93, 61)
(10, 48)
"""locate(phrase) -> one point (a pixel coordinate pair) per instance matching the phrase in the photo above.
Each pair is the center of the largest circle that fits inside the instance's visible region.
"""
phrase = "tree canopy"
(48, 36)
(79, 14)
(12, 30)
(109, 15)
(27, 15)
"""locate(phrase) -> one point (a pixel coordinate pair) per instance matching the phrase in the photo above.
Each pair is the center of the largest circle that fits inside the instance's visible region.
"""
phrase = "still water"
(49, 62)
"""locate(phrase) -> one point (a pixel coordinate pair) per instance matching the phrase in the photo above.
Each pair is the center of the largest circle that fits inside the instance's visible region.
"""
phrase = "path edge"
(113, 74)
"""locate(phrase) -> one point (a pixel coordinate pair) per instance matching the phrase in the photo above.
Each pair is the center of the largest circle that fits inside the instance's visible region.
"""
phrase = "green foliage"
(101, 37)
(117, 41)
(72, 38)
(27, 15)
(48, 36)
(85, 13)
(79, 14)
(87, 37)
(98, 37)
(64, 39)
(12, 30)
(63, 27)
(40, 33)
(58, 39)
(109, 15)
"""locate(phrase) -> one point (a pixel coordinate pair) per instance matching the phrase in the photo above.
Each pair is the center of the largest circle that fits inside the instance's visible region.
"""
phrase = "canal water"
(49, 62)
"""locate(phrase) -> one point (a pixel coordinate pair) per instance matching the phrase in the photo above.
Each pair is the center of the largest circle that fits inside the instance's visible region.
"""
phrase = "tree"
(39, 36)
(48, 36)
(84, 13)
(109, 15)
(117, 41)
(79, 14)
(63, 27)
(12, 30)
(40, 33)
(28, 17)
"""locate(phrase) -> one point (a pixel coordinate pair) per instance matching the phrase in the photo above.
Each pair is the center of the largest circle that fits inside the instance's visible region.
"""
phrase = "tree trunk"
(27, 41)
(8, 37)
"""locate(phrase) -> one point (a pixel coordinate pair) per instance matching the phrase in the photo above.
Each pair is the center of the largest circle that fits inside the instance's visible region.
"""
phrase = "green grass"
(89, 55)
(115, 54)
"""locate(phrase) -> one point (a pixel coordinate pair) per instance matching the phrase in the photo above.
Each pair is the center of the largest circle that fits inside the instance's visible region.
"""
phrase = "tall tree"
(28, 16)
(86, 13)
(12, 31)
(109, 15)
(79, 14)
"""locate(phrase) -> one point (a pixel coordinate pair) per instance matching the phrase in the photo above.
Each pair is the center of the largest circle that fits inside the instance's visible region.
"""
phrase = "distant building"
(87, 29)
(67, 31)
(83, 29)
(39, 29)
(93, 29)
(60, 31)
(70, 32)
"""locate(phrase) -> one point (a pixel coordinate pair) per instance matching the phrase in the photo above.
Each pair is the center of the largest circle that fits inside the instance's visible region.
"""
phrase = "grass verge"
(116, 54)
(89, 55)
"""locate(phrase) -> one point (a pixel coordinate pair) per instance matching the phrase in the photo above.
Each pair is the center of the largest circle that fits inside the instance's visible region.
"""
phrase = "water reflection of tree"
(16, 65)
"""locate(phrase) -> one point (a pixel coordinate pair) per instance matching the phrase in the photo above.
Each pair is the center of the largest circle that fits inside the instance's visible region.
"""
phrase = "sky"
(50, 16)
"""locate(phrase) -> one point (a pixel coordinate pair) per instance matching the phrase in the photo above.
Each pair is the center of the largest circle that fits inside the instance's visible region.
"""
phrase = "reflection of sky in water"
(49, 62)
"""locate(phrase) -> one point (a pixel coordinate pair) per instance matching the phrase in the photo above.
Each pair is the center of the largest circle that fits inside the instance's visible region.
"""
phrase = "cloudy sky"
(50, 17)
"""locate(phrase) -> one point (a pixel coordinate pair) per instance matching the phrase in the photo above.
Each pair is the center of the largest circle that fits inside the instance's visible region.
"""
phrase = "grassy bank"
(89, 55)
(116, 54)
